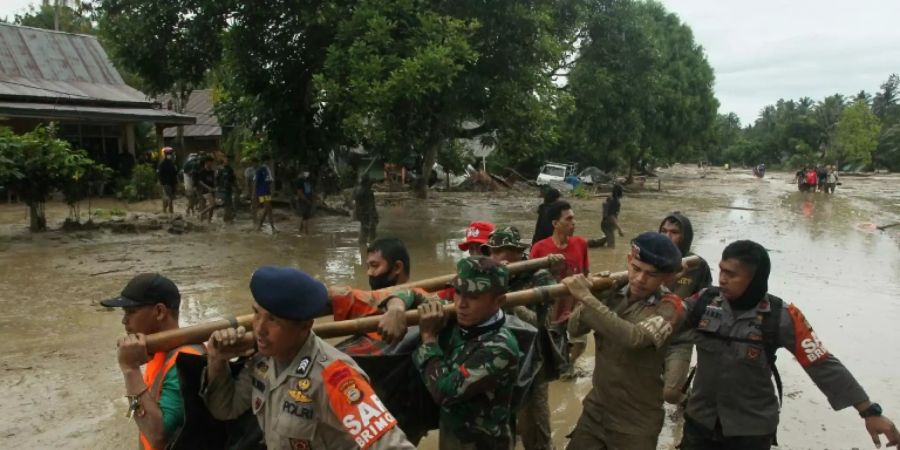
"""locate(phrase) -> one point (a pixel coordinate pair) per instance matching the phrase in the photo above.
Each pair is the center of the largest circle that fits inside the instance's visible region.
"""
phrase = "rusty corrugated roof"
(38, 64)
(85, 113)
(199, 105)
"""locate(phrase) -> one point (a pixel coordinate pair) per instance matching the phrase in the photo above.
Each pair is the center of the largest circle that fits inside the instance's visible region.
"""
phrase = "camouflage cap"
(479, 274)
(506, 237)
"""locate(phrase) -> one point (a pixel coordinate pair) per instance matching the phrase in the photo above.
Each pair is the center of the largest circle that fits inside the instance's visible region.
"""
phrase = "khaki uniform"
(624, 409)
(321, 400)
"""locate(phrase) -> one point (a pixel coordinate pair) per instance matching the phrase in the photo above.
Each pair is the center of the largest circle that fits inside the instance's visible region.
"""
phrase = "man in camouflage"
(632, 329)
(533, 419)
(470, 365)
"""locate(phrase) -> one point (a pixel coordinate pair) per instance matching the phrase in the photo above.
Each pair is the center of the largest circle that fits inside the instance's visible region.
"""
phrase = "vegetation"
(859, 132)
(36, 164)
(142, 185)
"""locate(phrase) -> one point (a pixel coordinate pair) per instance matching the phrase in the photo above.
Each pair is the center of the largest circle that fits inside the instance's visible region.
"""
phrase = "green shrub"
(142, 186)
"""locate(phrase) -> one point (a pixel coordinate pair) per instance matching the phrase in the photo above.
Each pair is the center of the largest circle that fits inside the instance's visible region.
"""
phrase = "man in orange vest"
(151, 303)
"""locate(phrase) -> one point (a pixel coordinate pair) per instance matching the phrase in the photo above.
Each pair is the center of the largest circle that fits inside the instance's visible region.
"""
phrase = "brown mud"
(60, 385)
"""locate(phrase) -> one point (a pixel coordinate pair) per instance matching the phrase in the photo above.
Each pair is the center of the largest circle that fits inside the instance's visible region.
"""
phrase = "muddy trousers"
(609, 230)
(698, 437)
(590, 433)
(533, 420)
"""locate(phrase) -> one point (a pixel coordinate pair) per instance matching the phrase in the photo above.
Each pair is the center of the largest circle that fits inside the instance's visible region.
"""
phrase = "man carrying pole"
(533, 420)
(632, 328)
(470, 366)
(150, 302)
(304, 392)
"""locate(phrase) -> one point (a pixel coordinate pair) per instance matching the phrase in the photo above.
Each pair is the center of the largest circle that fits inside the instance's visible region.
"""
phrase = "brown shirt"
(631, 341)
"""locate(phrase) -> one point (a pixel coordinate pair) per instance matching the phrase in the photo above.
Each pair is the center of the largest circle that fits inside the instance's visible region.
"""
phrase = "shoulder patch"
(355, 404)
(808, 349)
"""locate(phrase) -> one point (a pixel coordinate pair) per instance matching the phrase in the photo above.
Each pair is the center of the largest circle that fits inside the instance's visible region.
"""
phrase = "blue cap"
(657, 250)
(288, 293)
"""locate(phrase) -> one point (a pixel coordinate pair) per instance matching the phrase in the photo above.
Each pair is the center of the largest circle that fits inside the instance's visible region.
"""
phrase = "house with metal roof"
(203, 136)
(68, 78)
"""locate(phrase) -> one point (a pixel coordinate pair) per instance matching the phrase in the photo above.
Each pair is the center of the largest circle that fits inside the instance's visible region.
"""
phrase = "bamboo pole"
(198, 333)
(195, 334)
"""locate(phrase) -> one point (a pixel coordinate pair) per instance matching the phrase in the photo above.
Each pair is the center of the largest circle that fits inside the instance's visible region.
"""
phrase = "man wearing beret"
(632, 329)
(533, 420)
(304, 393)
(469, 366)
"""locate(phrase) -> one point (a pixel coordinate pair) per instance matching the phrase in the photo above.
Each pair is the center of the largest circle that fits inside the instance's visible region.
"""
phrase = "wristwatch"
(874, 410)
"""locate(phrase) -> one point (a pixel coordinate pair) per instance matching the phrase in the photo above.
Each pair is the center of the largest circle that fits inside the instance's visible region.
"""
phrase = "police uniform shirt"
(322, 399)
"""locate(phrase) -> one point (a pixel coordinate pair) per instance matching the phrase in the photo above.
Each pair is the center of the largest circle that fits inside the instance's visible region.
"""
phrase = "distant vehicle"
(552, 172)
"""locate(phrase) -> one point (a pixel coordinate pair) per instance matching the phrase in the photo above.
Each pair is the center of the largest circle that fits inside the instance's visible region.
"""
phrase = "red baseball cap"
(477, 233)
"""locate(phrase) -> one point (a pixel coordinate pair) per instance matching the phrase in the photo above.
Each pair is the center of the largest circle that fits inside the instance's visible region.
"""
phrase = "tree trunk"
(36, 217)
(427, 165)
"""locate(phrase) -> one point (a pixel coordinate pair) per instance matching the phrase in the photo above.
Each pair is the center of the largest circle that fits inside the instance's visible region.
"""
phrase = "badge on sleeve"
(299, 444)
(355, 404)
(808, 349)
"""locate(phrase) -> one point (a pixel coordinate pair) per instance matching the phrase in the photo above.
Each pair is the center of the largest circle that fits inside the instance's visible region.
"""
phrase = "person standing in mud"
(303, 189)
(677, 227)
(533, 419)
(574, 250)
(832, 180)
(263, 189)
(610, 220)
(543, 227)
(470, 366)
(364, 210)
(305, 393)
(632, 329)
(167, 172)
(150, 302)
(205, 184)
(225, 184)
(739, 326)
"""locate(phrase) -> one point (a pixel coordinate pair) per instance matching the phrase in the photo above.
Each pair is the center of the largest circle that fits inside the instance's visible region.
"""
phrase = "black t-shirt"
(611, 207)
(167, 172)
(207, 177)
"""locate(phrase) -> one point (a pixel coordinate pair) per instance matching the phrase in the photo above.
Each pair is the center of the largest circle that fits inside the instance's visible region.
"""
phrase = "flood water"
(60, 385)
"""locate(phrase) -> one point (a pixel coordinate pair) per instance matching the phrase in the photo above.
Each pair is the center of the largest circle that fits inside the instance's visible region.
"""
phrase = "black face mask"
(381, 281)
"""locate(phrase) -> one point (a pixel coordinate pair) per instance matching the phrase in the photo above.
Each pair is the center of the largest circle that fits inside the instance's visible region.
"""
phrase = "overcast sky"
(763, 50)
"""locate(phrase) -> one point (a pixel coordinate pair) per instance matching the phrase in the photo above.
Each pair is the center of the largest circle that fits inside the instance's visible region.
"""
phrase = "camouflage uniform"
(533, 418)
(471, 372)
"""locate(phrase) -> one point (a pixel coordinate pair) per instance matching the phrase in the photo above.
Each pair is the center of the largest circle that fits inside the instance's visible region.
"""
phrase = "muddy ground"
(60, 385)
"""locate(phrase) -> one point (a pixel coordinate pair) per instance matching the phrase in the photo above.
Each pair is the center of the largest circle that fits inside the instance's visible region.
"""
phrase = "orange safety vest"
(156, 372)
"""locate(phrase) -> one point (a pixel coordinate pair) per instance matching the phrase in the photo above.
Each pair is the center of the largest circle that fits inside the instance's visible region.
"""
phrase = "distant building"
(203, 136)
(68, 78)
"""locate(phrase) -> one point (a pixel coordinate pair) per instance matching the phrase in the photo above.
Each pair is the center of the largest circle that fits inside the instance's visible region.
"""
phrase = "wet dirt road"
(60, 385)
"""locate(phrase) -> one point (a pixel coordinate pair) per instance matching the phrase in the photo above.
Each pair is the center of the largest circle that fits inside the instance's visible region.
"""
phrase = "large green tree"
(170, 44)
(405, 77)
(856, 135)
(642, 86)
(58, 16)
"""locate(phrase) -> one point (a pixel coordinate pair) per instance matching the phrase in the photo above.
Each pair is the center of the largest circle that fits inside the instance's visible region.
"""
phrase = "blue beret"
(657, 250)
(288, 293)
